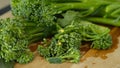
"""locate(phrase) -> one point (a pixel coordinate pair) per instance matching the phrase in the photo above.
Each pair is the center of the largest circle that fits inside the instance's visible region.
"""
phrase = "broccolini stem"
(86, 5)
(113, 22)
(116, 13)
(34, 30)
(34, 40)
(39, 35)
(30, 24)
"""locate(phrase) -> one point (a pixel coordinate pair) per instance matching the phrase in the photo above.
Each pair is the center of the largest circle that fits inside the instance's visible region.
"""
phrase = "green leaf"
(55, 60)
(69, 16)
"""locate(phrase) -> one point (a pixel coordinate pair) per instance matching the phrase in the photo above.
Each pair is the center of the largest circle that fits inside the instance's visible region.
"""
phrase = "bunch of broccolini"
(67, 22)
(65, 45)
(102, 11)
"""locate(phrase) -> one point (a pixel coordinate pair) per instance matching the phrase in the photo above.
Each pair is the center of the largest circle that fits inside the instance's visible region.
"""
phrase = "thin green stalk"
(34, 30)
(30, 24)
(36, 35)
(116, 13)
(108, 21)
(78, 5)
(34, 40)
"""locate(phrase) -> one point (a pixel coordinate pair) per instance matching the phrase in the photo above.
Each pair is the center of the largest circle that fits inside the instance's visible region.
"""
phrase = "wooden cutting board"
(91, 59)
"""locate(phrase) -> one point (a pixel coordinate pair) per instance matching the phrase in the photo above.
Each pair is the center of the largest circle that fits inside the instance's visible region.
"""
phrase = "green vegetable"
(16, 36)
(108, 13)
(91, 31)
(72, 55)
(88, 30)
(104, 42)
(46, 11)
(50, 10)
(108, 21)
(25, 57)
(98, 35)
(64, 46)
(69, 20)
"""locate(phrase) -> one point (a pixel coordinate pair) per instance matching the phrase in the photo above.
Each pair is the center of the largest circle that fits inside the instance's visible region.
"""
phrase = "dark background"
(4, 6)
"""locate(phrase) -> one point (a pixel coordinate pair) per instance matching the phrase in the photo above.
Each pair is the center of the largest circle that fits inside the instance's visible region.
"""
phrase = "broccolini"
(43, 18)
(16, 36)
(46, 11)
(65, 45)
(88, 30)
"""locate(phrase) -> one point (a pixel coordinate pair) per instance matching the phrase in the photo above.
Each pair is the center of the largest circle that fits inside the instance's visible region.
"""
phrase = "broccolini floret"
(16, 36)
(63, 47)
(104, 42)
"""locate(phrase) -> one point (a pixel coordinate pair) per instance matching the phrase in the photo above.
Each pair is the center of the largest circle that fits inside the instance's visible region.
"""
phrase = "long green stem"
(34, 40)
(34, 30)
(86, 5)
(35, 37)
(108, 21)
(30, 24)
